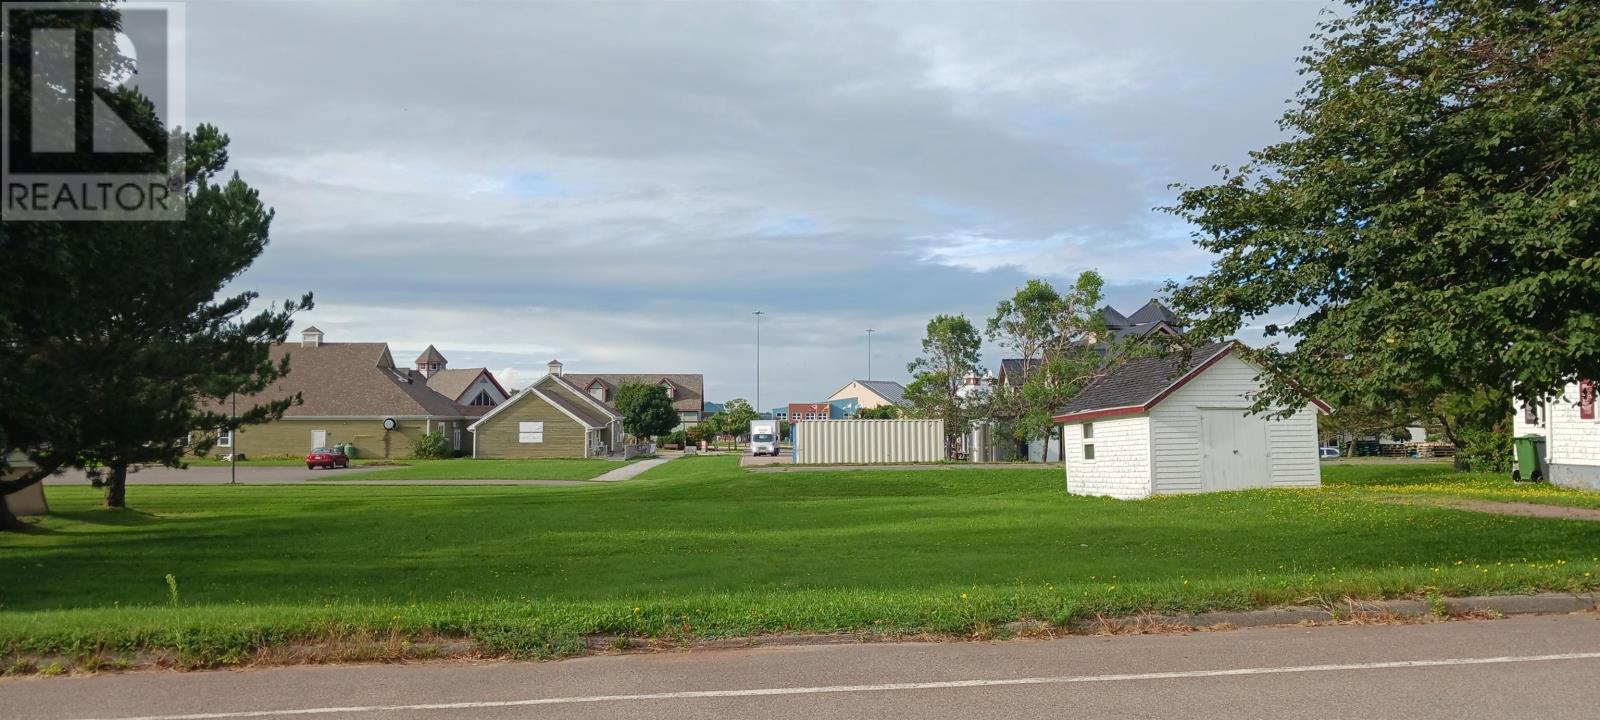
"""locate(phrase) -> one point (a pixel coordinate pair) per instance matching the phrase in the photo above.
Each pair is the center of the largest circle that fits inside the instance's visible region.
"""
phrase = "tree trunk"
(117, 486)
(8, 519)
(1460, 462)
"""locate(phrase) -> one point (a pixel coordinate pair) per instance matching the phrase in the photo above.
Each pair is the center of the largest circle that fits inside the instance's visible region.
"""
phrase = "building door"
(1233, 450)
(319, 438)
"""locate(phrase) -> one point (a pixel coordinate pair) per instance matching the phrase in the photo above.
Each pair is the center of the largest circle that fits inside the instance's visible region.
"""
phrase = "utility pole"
(233, 443)
(758, 315)
(870, 331)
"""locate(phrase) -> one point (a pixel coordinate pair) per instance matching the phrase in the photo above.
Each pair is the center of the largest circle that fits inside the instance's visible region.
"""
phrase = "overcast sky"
(618, 185)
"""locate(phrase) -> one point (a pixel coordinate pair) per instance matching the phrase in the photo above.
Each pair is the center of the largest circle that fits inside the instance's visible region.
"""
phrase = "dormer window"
(597, 390)
(672, 392)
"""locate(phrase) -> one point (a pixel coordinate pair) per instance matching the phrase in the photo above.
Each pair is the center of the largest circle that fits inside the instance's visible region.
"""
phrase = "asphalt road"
(1528, 667)
(212, 475)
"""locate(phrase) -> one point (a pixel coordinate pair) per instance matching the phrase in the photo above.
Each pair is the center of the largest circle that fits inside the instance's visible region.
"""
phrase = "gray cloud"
(619, 185)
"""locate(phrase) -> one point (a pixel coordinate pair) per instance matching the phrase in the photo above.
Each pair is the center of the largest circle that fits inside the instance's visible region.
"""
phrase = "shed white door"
(319, 438)
(1233, 450)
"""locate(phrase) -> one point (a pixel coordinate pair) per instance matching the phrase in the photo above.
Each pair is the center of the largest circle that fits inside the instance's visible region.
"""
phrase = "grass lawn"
(473, 469)
(700, 548)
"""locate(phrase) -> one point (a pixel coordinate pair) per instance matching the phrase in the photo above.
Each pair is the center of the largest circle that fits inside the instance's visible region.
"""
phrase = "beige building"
(686, 390)
(872, 393)
(354, 393)
(551, 418)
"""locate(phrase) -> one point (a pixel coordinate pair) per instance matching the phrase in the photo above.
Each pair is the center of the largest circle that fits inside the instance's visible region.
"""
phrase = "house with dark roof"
(1174, 424)
(872, 393)
(554, 417)
(354, 393)
(686, 390)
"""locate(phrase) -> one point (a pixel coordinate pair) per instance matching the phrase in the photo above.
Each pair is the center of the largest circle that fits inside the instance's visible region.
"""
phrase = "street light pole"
(758, 315)
(233, 443)
(870, 331)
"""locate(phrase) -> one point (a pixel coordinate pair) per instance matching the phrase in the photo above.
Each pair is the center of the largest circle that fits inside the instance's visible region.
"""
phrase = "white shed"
(1571, 429)
(1157, 427)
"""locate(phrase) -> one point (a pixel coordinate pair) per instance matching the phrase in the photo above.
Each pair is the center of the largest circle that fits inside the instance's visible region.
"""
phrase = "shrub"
(432, 447)
(1486, 450)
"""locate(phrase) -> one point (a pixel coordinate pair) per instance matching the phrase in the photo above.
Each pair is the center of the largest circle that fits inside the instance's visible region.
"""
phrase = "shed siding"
(838, 442)
(497, 437)
(1573, 440)
(1121, 464)
(1175, 431)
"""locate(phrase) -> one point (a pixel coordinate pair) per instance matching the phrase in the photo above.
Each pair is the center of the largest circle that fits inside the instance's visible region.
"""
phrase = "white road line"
(886, 687)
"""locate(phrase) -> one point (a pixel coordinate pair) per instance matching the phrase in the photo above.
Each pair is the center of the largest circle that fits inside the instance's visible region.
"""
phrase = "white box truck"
(764, 437)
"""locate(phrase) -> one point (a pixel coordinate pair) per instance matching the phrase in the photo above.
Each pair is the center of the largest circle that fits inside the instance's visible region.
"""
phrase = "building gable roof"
(887, 389)
(688, 397)
(1141, 383)
(561, 394)
(456, 382)
(1152, 312)
(1011, 370)
(351, 380)
(431, 355)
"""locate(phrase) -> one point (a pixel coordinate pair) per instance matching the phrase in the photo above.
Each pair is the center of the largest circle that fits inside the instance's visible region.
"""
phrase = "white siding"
(856, 442)
(1175, 431)
(1121, 464)
(1572, 440)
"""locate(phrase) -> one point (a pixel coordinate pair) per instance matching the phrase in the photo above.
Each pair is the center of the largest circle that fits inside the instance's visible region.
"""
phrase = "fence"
(862, 442)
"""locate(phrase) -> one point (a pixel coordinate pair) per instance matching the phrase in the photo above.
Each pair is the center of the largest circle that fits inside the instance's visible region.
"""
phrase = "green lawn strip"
(473, 469)
(1433, 481)
(696, 548)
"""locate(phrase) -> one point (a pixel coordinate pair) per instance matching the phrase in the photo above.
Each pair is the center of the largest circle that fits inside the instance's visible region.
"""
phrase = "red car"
(326, 457)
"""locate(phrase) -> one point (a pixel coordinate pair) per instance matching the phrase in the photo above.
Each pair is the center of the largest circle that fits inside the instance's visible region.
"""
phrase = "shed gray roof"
(1140, 380)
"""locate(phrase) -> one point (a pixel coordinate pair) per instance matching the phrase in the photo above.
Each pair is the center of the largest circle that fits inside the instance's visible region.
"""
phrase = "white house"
(1571, 435)
(1155, 427)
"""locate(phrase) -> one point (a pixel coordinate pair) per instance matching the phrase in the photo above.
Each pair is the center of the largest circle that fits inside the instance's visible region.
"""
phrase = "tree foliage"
(1062, 340)
(882, 412)
(114, 341)
(1435, 214)
(646, 409)
(949, 354)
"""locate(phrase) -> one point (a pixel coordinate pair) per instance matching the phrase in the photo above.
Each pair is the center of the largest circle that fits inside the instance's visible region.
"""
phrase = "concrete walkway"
(632, 470)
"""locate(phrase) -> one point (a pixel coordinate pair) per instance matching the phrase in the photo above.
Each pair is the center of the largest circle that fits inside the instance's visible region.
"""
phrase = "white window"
(690, 416)
(530, 432)
(598, 392)
(483, 399)
(1088, 431)
(225, 438)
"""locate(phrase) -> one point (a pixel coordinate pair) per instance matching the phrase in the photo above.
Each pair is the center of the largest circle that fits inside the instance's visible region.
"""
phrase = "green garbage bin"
(350, 450)
(1530, 458)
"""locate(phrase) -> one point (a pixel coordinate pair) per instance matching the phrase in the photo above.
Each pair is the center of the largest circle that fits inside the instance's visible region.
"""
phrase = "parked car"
(1329, 453)
(327, 458)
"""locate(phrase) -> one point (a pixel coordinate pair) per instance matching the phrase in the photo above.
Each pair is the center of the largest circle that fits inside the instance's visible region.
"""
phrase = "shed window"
(1088, 431)
(1088, 451)
(530, 432)
(225, 438)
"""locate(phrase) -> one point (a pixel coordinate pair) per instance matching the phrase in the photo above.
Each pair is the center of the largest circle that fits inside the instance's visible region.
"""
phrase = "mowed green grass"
(700, 548)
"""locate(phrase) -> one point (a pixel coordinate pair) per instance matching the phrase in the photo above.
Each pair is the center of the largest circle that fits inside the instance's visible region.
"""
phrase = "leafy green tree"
(949, 354)
(1063, 344)
(1433, 220)
(112, 336)
(882, 412)
(735, 417)
(646, 409)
